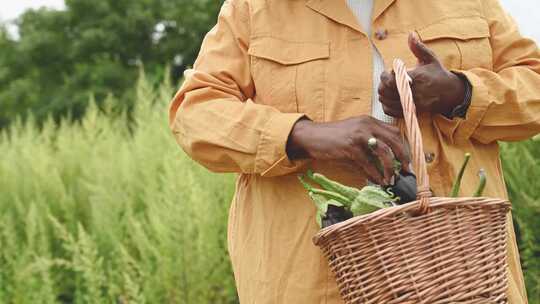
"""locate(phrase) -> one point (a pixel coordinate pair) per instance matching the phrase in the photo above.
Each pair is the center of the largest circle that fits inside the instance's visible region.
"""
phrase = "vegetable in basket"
(329, 208)
(336, 202)
(482, 183)
(334, 215)
(404, 187)
(457, 183)
(404, 184)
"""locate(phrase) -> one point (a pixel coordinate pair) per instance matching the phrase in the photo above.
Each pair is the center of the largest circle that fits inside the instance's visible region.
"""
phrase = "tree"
(96, 47)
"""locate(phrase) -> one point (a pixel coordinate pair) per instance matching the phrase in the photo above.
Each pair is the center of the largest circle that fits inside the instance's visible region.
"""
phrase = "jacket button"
(381, 34)
(430, 157)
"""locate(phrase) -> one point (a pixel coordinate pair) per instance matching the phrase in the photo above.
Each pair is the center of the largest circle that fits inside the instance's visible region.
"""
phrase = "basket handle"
(412, 131)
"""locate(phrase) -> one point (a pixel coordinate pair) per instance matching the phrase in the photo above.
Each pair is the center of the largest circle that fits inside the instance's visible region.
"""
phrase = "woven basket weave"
(433, 250)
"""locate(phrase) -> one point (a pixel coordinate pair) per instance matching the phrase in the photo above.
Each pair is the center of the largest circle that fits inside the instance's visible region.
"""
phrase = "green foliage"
(521, 164)
(103, 212)
(96, 47)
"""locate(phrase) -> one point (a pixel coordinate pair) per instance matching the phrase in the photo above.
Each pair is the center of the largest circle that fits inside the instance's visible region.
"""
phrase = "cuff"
(271, 158)
(461, 109)
(460, 129)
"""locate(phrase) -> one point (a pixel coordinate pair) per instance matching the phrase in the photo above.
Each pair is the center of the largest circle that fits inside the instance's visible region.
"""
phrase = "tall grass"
(522, 173)
(99, 212)
(103, 211)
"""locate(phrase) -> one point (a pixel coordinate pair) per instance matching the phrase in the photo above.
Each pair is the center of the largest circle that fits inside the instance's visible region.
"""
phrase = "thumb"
(421, 51)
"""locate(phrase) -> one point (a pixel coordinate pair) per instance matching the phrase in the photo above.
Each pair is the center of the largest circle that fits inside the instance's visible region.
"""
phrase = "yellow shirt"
(268, 62)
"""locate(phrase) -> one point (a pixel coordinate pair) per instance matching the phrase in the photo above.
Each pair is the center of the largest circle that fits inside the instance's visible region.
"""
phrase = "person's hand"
(435, 89)
(347, 141)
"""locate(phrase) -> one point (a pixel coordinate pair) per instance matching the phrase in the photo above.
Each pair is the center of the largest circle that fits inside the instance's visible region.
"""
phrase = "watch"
(461, 110)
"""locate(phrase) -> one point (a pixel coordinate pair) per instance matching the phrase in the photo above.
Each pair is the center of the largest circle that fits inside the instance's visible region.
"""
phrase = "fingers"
(394, 112)
(384, 153)
(421, 51)
(360, 160)
(376, 160)
(371, 171)
(388, 86)
(397, 146)
(391, 136)
(388, 95)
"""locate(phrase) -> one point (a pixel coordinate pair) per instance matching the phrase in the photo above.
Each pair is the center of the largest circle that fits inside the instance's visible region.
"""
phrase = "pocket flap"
(288, 52)
(456, 28)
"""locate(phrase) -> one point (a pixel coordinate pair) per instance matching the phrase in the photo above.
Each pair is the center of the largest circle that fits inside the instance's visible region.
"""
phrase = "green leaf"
(371, 198)
(330, 185)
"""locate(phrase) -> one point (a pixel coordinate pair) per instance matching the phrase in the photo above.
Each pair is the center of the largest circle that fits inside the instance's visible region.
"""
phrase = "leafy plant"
(521, 165)
(103, 211)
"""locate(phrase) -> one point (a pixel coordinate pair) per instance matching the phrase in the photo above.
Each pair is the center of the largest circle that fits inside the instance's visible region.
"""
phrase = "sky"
(10, 9)
(525, 12)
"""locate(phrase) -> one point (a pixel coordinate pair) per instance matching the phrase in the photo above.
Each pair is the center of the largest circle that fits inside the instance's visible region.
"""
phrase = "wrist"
(463, 107)
(298, 138)
(455, 95)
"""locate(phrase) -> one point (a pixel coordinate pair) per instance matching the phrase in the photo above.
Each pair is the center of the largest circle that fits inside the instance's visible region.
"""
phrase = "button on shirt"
(363, 10)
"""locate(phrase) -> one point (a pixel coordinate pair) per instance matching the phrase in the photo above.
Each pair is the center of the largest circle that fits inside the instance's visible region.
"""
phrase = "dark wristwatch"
(461, 110)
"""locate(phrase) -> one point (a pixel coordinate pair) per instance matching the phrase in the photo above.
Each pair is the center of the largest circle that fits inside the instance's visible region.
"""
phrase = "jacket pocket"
(460, 42)
(290, 75)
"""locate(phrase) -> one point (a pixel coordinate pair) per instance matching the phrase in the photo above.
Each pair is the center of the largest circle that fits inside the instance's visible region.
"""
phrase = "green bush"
(99, 212)
(521, 164)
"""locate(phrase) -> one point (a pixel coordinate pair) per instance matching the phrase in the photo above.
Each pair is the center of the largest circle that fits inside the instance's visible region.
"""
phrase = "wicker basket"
(433, 250)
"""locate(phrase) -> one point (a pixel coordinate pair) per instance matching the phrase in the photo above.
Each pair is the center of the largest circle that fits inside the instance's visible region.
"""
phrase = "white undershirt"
(363, 10)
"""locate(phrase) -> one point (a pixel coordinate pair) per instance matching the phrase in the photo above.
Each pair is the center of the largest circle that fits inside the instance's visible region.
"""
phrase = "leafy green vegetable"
(359, 202)
(349, 192)
(332, 195)
(322, 200)
(322, 206)
(305, 184)
(371, 198)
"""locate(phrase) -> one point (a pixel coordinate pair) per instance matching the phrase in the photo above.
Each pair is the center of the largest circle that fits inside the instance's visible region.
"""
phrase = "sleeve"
(505, 102)
(213, 117)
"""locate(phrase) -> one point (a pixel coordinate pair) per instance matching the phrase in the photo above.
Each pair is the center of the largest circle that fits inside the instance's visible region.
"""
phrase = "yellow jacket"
(268, 62)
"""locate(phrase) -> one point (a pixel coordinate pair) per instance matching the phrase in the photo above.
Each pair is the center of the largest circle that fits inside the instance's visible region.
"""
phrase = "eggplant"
(404, 187)
(334, 215)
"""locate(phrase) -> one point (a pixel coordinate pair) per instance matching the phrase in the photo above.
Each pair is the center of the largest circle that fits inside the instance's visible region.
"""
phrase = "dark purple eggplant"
(334, 215)
(404, 187)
